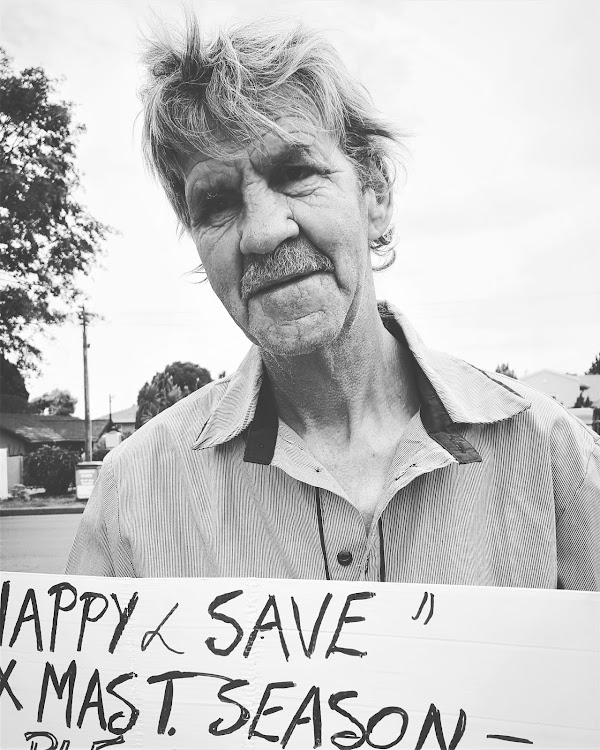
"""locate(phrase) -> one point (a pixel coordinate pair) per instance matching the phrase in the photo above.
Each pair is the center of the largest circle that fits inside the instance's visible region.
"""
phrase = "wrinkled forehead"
(291, 137)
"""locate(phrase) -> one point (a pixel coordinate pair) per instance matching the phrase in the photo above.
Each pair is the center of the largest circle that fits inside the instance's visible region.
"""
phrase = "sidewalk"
(43, 510)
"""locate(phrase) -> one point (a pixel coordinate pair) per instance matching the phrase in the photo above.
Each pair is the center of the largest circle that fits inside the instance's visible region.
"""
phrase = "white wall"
(3, 473)
(561, 387)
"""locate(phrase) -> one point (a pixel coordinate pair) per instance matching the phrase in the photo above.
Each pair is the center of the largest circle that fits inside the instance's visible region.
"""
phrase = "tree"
(580, 400)
(505, 369)
(47, 239)
(14, 396)
(595, 368)
(175, 382)
(55, 403)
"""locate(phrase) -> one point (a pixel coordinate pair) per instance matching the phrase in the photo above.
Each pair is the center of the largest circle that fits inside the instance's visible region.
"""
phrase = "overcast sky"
(498, 216)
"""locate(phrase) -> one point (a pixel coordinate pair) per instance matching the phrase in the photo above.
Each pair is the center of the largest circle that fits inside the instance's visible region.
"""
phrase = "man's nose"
(265, 222)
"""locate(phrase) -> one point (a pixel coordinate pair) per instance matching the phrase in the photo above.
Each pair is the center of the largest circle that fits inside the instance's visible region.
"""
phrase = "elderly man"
(342, 448)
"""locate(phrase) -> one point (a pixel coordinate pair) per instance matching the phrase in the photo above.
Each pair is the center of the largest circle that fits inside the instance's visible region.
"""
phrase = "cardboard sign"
(259, 663)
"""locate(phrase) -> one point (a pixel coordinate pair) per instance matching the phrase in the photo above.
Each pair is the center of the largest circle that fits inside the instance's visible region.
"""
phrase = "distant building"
(111, 437)
(124, 420)
(565, 388)
(21, 434)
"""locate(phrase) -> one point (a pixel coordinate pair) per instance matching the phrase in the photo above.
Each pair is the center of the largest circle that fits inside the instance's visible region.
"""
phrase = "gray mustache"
(295, 256)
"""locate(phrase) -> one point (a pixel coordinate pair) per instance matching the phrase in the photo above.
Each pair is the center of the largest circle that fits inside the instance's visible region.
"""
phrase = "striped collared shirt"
(492, 484)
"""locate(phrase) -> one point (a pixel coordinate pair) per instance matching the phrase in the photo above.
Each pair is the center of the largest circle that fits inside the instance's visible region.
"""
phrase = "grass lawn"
(41, 500)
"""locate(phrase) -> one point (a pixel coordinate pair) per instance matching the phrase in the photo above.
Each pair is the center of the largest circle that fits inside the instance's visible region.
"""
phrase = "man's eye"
(295, 173)
(215, 205)
(220, 202)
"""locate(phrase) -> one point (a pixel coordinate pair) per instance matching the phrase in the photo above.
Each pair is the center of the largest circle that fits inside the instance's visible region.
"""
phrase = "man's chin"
(297, 338)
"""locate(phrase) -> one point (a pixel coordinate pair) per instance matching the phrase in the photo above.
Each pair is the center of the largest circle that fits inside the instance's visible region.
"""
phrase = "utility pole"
(86, 389)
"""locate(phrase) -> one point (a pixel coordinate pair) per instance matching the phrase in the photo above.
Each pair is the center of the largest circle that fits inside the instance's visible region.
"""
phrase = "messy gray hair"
(204, 95)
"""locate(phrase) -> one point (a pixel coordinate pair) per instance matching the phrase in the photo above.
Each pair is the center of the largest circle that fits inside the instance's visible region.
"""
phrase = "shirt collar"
(467, 394)
(452, 392)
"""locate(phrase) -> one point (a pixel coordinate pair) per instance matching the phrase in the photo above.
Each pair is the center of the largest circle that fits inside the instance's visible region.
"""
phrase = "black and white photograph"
(303, 296)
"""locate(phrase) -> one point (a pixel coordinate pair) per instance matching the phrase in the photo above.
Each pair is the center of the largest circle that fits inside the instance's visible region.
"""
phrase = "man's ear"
(379, 213)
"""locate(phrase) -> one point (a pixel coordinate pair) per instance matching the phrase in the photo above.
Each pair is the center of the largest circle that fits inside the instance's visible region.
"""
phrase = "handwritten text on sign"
(230, 664)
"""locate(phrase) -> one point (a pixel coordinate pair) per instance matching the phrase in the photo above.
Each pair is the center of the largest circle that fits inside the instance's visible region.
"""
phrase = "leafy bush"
(99, 454)
(52, 468)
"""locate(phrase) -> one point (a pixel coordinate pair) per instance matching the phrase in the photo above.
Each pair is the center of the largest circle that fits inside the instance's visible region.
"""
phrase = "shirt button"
(344, 558)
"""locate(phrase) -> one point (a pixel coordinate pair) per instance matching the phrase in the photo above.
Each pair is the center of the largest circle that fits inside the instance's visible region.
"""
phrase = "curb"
(51, 511)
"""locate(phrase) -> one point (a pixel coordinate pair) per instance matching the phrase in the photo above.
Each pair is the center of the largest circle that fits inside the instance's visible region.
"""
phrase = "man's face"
(283, 234)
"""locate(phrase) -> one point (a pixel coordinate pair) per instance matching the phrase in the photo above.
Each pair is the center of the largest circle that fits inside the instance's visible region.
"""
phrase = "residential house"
(564, 387)
(124, 420)
(21, 434)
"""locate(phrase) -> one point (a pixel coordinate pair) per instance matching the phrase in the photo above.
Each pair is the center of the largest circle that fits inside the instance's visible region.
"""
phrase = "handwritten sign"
(252, 663)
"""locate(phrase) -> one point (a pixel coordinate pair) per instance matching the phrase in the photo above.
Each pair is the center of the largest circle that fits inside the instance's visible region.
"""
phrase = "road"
(37, 544)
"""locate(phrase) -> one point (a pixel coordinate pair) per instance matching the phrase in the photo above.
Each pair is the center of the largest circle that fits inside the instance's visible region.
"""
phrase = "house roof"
(547, 371)
(592, 382)
(36, 428)
(122, 417)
